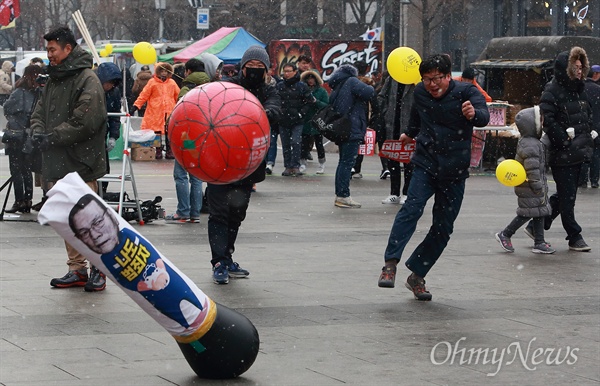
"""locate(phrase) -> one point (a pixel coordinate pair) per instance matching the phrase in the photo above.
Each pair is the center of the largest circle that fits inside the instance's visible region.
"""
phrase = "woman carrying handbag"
(17, 110)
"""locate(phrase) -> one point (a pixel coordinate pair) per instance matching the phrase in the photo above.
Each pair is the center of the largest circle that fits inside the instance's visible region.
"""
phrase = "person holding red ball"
(227, 204)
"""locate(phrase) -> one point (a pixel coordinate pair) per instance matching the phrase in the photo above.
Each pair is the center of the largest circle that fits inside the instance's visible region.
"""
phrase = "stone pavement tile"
(583, 325)
(50, 365)
(109, 343)
(111, 380)
(336, 358)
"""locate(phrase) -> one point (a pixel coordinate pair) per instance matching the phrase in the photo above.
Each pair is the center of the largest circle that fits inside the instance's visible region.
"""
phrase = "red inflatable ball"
(219, 132)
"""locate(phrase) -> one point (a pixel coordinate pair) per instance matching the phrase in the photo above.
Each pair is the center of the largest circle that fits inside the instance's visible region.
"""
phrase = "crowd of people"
(439, 114)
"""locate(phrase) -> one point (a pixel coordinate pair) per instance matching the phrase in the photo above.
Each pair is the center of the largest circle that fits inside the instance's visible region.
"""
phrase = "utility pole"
(161, 5)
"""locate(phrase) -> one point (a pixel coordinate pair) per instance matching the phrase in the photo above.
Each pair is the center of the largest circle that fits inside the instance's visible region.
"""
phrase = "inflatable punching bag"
(216, 341)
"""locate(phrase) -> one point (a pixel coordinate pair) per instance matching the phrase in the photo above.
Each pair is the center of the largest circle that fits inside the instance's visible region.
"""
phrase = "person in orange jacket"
(468, 76)
(160, 94)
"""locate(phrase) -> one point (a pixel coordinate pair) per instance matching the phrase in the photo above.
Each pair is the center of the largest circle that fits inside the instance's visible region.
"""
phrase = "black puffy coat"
(295, 99)
(442, 132)
(564, 103)
(17, 110)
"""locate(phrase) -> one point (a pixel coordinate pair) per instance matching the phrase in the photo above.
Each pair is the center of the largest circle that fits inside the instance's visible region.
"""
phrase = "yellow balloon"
(104, 53)
(511, 173)
(144, 53)
(109, 48)
(403, 65)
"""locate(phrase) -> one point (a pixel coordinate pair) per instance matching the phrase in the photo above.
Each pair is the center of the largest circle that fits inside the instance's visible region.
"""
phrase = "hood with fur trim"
(7, 66)
(166, 66)
(304, 76)
(564, 68)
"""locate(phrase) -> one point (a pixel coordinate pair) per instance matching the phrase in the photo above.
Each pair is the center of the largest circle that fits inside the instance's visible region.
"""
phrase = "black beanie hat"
(468, 73)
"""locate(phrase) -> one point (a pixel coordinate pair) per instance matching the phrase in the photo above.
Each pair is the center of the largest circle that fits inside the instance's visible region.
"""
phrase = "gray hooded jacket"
(532, 195)
(211, 65)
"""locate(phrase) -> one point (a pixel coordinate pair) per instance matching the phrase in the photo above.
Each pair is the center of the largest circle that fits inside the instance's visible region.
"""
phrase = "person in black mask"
(227, 204)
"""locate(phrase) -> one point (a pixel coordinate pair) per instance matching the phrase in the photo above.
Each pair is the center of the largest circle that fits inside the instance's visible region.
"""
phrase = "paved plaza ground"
(313, 296)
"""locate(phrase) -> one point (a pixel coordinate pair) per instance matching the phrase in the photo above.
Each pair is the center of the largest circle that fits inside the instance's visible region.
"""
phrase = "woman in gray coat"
(532, 195)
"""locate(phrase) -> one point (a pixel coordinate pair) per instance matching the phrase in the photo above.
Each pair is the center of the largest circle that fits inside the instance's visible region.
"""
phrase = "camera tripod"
(8, 185)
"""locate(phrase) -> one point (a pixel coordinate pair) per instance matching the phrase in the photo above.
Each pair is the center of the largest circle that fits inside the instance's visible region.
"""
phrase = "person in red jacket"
(160, 94)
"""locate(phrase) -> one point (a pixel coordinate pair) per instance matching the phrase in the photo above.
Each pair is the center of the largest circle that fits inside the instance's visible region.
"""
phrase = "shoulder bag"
(331, 124)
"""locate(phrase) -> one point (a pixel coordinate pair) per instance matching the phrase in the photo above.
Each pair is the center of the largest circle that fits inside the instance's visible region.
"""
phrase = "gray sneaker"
(505, 242)
(346, 202)
(76, 278)
(96, 282)
(579, 246)
(543, 248)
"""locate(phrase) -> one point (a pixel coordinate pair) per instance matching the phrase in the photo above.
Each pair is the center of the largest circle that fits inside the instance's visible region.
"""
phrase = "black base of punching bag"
(227, 350)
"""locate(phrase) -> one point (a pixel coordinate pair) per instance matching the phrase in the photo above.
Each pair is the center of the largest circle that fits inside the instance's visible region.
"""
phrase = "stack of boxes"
(145, 151)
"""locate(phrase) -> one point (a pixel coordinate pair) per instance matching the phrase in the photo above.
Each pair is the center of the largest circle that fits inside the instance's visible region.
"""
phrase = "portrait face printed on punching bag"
(94, 224)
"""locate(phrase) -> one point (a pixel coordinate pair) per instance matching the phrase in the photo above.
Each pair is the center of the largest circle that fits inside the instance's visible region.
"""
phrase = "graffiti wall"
(327, 55)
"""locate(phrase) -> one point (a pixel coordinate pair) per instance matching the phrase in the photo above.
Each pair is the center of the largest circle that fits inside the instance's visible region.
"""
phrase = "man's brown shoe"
(387, 277)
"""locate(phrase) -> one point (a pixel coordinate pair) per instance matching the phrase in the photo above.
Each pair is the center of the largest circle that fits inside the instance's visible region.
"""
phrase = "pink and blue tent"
(227, 43)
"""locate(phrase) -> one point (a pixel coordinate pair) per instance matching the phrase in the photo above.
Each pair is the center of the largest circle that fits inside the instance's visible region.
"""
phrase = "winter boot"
(169, 152)
(159, 154)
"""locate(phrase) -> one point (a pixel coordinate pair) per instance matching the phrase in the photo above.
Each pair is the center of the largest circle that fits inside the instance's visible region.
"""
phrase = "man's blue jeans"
(291, 142)
(448, 196)
(343, 173)
(189, 192)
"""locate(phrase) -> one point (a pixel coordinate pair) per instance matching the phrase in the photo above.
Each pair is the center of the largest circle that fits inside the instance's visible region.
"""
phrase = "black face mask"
(255, 76)
(163, 78)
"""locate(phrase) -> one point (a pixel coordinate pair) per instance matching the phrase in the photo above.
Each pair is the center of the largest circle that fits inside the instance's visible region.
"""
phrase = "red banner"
(368, 148)
(397, 151)
(327, 55)
(9, 11)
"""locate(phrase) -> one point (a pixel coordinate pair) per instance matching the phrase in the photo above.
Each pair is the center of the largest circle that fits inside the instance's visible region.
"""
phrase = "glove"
(43, 141)
(594, 134)
(111, 144)
(133, 110)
